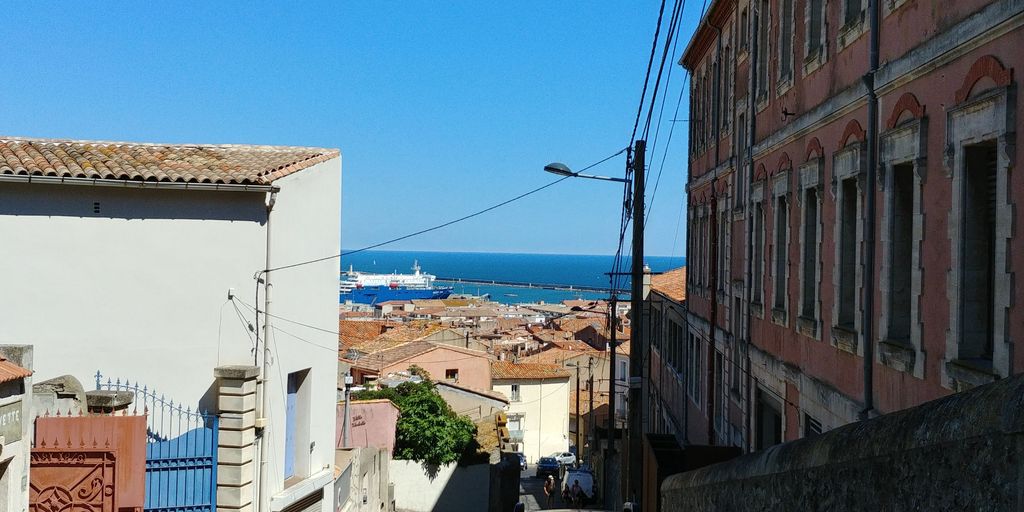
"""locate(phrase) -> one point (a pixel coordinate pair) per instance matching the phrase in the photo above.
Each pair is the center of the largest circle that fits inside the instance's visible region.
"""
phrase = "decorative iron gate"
(181, 451)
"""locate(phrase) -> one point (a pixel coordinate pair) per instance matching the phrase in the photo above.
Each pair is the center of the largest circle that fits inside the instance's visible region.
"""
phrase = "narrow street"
(531, 491)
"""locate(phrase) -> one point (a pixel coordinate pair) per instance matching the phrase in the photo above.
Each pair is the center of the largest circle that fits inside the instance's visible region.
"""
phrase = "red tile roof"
(505, 370)
(10, 371)
(156, 163)
(671, 284)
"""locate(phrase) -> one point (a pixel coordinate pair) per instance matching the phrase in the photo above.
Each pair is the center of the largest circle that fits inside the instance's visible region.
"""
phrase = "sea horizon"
(577, 270)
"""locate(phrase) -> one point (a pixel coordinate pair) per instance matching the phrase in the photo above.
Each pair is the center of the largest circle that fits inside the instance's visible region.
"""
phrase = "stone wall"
(961, 452)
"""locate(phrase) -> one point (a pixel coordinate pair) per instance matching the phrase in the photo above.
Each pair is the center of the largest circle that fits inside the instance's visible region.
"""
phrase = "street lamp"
(636, 299)
(563, 170)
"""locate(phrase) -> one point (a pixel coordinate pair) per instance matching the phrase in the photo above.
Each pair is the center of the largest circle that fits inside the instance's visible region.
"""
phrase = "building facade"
(15, 426)
(141, 261)
(781, 243)
(538, 411)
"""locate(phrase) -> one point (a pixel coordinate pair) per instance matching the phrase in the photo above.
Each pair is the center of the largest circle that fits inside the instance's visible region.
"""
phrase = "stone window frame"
(724, 246)
(891, 6)
(780, 189)
(784, 83)
(988, 116)
(761, 96)
(849, 32)
(810, 176)
(854, 153)
(743, 31)
(757, 198)
(903, 144)
(728, 78)
(814, 61)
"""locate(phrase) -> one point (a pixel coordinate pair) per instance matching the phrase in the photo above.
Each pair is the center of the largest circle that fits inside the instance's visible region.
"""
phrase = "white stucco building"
(139, 261)
(538, 410)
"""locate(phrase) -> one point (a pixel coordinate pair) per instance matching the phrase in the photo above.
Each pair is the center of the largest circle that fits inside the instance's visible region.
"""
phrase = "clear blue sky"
(438, 110)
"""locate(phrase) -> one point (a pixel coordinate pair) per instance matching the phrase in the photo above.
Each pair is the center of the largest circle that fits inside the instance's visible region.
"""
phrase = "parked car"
(522, 462)
(564, 458)
(547, 466)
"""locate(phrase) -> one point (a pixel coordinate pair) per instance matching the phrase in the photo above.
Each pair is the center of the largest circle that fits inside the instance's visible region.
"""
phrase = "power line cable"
(647, 78)
(445, 224)
(668, 144)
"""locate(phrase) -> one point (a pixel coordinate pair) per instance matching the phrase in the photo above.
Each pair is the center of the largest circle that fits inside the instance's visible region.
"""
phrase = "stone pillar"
(236, 451)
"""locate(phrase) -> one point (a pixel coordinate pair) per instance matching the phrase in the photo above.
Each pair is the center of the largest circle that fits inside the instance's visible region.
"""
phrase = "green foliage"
(418, 370)
(428, 429)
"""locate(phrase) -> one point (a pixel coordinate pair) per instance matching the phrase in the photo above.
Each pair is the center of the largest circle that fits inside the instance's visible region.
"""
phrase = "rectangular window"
(515, 393)
(735, 366)
(812, 427)
(723, 247)
(744, 29)
(853, 12)
(719, 391)
(694, 367)
(741, 161)
(737, 317)
(768, 421)
(762, 49)
(847, 254)
(781, 253)
(452, 374)
(296, 427)
(902, 236)
(786, 41)
(810, 263)
(622, 371)
(726, 88)
(815, 22)
(978, 292)
(757, 266)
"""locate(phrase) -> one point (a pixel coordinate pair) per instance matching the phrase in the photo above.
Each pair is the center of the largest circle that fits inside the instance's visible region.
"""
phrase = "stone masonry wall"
(963, 452)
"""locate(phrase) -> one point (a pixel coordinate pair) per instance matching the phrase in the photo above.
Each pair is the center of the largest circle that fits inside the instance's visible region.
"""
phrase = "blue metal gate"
(181, 452)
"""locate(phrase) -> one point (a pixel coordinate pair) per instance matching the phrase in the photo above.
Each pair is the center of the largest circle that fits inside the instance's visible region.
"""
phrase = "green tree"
(428, 429)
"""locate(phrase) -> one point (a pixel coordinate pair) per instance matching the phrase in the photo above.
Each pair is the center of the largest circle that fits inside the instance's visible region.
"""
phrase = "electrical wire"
(448, 223)
(647, 78)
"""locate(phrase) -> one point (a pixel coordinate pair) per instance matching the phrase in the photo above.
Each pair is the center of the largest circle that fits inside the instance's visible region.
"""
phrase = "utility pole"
(609, 483)
(591, 428)
(579, 449)
(638, 350)
(348, 393)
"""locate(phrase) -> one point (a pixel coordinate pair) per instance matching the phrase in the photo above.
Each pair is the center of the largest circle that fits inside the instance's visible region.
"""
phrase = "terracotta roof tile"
(671, 284)
(384, 358)
(10, 371)
(232, 164)
(507, 370)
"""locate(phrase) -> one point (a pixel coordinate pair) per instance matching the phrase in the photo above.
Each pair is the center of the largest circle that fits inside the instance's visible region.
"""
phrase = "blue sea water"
(563, 269)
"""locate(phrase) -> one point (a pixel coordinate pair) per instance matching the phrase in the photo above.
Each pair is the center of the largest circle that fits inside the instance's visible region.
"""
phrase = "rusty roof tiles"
(10, 371)
(505, 370)
(228, 164)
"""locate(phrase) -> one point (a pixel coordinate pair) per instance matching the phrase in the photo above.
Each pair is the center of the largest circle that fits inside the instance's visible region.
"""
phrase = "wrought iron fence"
(181, 450)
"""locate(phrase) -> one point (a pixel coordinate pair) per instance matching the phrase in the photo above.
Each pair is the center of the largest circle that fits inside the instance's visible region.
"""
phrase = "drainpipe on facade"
(869, 218)
(718, 144)
(751, 139)
(713, 321)
(261, 403)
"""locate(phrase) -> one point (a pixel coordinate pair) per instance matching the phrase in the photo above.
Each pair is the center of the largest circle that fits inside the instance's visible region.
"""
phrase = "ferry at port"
(366, 288)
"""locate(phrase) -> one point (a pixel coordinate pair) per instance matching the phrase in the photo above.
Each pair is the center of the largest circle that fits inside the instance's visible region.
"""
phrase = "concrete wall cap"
(236, 371)
(105, 398)
(985, 410)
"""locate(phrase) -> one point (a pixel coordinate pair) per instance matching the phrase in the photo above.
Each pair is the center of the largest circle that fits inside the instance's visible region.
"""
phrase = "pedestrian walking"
(549, 491)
